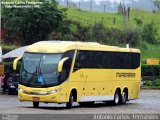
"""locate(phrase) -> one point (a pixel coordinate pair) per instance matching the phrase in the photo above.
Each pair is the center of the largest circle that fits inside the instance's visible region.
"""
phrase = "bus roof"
(62, 46)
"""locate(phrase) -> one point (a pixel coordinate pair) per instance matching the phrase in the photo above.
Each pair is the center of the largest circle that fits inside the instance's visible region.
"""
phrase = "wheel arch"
(74, 93)
(118, 88)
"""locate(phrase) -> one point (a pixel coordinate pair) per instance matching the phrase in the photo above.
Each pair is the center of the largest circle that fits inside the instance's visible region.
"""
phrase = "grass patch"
(90, 18)
(87, 18)
(149, 51)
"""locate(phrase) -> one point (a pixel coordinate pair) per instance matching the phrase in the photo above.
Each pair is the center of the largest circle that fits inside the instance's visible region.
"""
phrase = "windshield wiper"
(41, 75)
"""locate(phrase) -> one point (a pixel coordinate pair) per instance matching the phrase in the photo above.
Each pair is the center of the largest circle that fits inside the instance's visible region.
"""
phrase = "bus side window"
(79, 62)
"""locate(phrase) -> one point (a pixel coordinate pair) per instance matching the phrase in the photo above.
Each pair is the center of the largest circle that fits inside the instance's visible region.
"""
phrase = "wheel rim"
(72, 100)
(116, 98)
(124, 97)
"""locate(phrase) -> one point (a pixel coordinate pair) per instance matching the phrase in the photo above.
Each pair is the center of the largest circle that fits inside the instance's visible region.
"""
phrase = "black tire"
(9, 92)
(116, 100)
(69, 104)
(3, 91)
(124, 97)
(35, 104)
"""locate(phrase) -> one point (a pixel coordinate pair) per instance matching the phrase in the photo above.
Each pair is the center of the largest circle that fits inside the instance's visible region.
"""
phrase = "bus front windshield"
(40, 70)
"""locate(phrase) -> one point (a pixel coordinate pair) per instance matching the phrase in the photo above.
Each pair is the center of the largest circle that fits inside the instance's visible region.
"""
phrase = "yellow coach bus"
(84, 72)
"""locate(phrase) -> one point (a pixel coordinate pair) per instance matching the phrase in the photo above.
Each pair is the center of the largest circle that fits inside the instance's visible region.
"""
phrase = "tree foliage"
(29, 25)
(149, 32)
(100, 33)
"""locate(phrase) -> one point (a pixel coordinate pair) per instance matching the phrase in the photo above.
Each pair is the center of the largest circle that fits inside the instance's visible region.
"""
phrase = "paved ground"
(148, 103)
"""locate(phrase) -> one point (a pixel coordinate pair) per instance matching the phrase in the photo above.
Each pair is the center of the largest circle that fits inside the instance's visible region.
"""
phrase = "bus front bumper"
(31, 94)
(53, 98)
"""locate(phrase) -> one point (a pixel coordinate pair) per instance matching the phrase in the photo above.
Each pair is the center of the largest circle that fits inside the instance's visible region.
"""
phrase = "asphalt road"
(148, 103)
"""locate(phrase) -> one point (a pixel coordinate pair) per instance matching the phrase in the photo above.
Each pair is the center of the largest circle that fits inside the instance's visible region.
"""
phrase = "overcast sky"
(112, 1)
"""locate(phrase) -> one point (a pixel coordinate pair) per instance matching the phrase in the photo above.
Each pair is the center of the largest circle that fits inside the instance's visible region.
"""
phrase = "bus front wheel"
(69, 104)
(35, 104)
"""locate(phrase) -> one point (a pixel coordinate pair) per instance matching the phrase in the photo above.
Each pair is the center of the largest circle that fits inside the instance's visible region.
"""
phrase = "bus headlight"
(20, 90)
(39, 93)
(55, 90)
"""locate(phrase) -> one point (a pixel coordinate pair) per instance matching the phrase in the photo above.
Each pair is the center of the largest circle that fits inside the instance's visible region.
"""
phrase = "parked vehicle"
(10, 83)
(13, 84)
(5, 83)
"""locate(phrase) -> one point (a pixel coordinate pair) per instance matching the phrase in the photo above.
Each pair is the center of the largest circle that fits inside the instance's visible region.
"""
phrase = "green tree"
(29, 25)
(130, 36)
(99, 32)
(149, 32)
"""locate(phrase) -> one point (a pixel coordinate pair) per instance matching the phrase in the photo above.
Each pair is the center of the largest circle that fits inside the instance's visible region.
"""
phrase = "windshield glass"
(40, 70)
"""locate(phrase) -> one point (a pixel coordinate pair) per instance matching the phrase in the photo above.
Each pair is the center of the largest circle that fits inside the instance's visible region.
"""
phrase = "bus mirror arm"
(60, 65)
(15, 62)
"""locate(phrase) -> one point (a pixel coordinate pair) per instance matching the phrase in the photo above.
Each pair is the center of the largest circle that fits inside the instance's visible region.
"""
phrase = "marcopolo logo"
(125, 75)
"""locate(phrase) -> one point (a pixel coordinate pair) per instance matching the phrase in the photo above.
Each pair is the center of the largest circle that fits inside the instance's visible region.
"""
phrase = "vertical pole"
(90, 5)
(125, 13)
(79, 5)
(104, 8)
(67, 3)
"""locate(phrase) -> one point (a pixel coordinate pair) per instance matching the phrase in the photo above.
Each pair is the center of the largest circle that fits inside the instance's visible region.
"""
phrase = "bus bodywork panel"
(104, 82)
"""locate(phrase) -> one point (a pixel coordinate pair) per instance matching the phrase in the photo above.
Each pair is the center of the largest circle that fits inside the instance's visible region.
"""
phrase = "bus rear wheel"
(69, 104)
(124, 97)
(116, 100)
(35, 104)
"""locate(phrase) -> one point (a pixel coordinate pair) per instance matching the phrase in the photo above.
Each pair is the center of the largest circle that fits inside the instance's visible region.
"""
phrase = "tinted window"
(106, 60)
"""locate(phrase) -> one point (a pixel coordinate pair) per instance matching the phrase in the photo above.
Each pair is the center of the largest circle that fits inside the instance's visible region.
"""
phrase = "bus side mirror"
(60, 65)
(15, 62)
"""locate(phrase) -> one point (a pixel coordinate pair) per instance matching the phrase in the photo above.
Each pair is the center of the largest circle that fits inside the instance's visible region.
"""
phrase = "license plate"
(35, 98)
